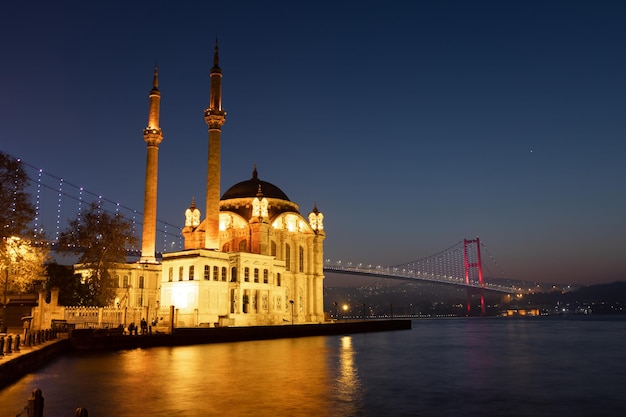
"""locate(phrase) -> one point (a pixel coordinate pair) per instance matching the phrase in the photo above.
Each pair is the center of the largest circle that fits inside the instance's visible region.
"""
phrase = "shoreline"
(91, 339)
(29, 359)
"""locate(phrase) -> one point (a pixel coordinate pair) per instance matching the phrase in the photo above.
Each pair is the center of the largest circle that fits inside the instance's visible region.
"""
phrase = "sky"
(411, 125)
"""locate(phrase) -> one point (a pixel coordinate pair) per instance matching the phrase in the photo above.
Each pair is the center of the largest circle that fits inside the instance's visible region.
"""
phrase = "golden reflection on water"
(348, 384)
(291, 377)
(313, 376)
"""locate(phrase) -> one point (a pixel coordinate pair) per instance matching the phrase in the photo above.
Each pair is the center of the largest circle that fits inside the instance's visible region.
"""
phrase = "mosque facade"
(252, 260)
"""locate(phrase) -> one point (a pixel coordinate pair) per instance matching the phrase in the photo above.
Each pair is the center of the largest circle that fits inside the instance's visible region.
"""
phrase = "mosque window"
(141, 281)
(180, 273)
(191, 272)
(246, 274)
(256, 274)
(278, 279)
(233, 274)
(216, 271)
(125, 284)
(273, 248)
(265, 276)
(300, 259)
(207, 273)
(242, 246)
(244, 301)
(170, 274)
(223, 273)
(287, 258)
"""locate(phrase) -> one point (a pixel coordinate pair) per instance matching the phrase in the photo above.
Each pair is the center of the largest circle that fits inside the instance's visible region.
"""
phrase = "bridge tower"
(479, 266)
(153, 135)
(215, 118)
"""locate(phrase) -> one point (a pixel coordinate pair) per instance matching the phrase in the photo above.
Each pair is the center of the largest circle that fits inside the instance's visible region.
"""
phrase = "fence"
(114, 317)
(104, 317)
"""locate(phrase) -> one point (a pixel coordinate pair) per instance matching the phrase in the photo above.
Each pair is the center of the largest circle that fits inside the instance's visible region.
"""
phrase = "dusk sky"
(411, 125)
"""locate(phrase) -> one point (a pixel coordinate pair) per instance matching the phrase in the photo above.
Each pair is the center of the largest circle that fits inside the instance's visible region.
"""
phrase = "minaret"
(153, 136)
(215, 118)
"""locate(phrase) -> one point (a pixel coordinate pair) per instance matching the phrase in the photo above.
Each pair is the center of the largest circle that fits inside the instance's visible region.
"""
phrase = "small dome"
(250, 189)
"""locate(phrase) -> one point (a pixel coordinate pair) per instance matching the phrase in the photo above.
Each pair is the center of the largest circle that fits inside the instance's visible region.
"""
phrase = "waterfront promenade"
(15, 363)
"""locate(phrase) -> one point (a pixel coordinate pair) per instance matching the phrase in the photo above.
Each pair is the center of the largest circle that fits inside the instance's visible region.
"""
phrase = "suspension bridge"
(459, 265)
(57, 201)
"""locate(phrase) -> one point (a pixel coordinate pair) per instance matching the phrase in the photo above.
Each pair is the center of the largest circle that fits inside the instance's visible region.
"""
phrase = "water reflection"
(262, 378)
(348, 385)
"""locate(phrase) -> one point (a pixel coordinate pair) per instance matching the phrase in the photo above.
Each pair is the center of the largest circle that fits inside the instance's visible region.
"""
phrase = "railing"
(11, 343)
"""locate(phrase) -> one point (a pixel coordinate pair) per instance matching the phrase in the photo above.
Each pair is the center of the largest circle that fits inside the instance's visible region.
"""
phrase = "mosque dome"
(239, 198)
(250, 189)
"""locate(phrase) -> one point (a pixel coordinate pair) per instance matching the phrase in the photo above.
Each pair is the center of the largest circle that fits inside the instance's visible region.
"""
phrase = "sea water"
(540, 366)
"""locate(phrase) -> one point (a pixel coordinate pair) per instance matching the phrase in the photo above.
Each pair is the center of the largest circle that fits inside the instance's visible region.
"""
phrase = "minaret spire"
(155, 102)
(215, 118)
(216, 58)
(153, 136)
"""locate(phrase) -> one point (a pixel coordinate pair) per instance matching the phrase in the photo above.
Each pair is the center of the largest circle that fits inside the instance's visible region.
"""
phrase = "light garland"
(59, 203)
(37, 204)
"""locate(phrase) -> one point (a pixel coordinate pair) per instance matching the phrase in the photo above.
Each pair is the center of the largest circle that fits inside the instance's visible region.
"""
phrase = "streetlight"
(291, 302)
(345, 310)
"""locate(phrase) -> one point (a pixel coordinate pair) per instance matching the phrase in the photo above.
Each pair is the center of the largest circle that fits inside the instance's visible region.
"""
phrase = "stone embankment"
(20, 356)
(90, 339)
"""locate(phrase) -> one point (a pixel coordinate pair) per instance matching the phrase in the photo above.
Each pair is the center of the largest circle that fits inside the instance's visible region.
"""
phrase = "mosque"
(253, 259)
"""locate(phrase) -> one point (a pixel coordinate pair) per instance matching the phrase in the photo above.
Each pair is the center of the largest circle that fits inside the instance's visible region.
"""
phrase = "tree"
(101, 240)
(23, 263)
(72, 292)
(16, 209)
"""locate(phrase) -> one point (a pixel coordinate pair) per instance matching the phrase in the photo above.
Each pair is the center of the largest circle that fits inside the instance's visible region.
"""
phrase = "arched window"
(223, 273)
(207, 273)
(246, 274)
(216, 272)
(287, 258)
(300, 259)
(125, 285)
(265, 276)
(242, 246)
(170, 274)
(141, 281)
(191, 272)
(273, 248)
(180, 273)
(233, 274)
(256, 274)
(226, 247)
(117, 280)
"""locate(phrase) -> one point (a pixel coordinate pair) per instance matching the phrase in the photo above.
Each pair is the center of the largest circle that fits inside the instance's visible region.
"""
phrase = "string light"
(165, 237)
(58, 228)
(37, 204)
